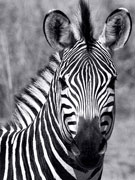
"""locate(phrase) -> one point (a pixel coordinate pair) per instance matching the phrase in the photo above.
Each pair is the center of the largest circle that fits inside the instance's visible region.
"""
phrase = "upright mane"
(86, 27)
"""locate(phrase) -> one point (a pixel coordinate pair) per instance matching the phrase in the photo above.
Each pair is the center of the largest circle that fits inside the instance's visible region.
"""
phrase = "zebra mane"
(86, 27)
(35, 93)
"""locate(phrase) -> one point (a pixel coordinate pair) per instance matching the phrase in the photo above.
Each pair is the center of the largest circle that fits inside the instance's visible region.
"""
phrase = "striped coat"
(66, 137)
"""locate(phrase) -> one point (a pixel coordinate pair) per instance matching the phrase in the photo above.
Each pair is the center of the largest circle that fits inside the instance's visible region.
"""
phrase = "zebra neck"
(51, 147)
(31, 99)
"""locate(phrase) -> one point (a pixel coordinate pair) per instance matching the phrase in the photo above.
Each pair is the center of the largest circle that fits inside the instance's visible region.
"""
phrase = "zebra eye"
(63, 83)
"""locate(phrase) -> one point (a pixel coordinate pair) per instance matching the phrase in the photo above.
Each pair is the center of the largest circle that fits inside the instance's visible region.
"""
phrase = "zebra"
(68, 138)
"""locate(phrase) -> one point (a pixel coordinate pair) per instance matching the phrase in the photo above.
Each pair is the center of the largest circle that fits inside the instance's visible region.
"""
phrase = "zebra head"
(85, 81)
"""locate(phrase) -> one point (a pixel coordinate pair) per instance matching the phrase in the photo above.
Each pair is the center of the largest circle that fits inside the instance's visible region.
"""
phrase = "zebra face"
(85, 83)
(86, 101)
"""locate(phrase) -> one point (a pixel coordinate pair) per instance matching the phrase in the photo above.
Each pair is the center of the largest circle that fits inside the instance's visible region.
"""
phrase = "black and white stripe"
(39, 151)
(97, 66)
(65, 128)
(29, 102)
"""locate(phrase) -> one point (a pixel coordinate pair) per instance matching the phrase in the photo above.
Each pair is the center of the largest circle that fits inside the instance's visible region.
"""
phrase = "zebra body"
(68, 138)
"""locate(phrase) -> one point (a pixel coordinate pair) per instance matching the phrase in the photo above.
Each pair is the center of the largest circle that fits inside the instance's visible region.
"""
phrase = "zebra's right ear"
(117, 29)
(58, 30)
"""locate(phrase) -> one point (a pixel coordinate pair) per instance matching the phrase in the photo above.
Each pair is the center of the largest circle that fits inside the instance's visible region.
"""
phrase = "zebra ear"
(117, 29)
(57, 29)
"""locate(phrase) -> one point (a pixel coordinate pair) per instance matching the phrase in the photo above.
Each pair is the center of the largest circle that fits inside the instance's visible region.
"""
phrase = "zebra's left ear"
(117, 29)
(57, 29)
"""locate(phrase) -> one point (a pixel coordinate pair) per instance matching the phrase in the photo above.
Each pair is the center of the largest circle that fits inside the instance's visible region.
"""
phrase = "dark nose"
(88, 157)
(89, 145)
(89, 163)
